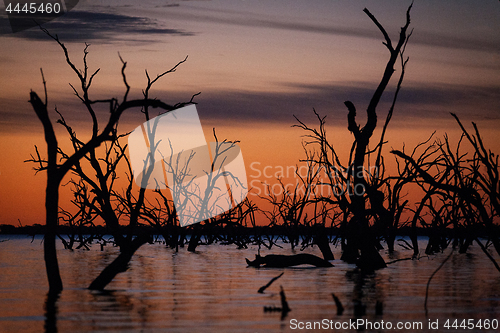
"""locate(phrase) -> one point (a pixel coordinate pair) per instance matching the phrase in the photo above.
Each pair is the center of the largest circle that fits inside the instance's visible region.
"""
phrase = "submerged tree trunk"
(194, 241)
(391, 239)
(361, 243)
(321, 239)
(120, 264)
(361, 246)
(51, 195)
(49, 243)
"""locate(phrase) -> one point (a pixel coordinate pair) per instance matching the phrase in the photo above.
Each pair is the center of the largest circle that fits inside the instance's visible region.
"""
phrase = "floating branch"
(261, 289)
(338, 304)
(404, 259)
(430, 278)
(284, 309)
(284, 303)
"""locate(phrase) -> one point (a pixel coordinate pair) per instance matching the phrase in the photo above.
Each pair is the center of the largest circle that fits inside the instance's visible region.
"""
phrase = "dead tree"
(469, 184)
(76, 222)
(57, 164)
(290, 205)
(406, 174)
(129, 206)
(333, 175)
(359, 244)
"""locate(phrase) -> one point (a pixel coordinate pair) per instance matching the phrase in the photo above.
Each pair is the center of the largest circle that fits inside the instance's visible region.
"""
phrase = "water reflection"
(213, 290)
(51, 312)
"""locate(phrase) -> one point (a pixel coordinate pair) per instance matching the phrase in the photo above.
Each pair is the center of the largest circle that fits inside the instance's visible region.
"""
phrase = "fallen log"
(280, 261)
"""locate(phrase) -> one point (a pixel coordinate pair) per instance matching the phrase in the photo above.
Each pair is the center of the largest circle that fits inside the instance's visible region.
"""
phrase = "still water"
(213, 290)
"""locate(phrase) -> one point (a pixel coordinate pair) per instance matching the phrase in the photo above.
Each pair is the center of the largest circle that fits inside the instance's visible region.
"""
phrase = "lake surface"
(213, 290)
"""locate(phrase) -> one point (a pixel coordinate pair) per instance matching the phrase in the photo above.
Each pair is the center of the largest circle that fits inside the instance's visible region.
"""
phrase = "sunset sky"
(256, 64)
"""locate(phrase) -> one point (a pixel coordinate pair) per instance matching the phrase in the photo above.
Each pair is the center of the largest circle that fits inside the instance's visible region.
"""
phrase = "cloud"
(86, 26)
(76, 26)
(248, 19)
(415, 101)
(454, 42)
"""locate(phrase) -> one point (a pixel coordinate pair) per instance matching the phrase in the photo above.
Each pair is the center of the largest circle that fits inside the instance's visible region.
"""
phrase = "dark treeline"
(221, 234)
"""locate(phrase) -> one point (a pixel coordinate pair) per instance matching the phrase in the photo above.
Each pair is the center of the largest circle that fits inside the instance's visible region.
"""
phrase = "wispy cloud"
(415, 101)
(76, 26)
(107, 27)
(248, 19)
(424, 102)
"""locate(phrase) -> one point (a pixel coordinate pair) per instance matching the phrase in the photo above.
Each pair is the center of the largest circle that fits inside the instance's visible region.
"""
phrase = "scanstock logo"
(28, 14)
(169, 152)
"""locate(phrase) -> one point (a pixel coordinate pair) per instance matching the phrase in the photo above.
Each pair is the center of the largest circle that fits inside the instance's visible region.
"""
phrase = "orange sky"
(256, 64)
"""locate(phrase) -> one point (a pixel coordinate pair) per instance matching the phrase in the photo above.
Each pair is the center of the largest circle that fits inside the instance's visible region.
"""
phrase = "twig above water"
(261, 289)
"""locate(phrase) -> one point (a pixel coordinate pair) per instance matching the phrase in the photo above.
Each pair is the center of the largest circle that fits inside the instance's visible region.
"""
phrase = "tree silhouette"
(460, 190)
(58, 163)
(357, 182)
(360, 245)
